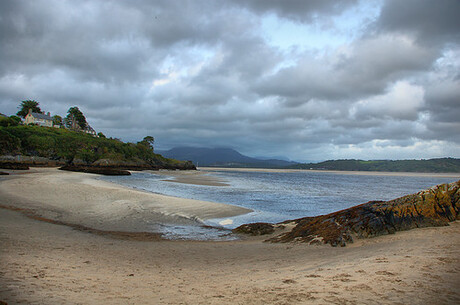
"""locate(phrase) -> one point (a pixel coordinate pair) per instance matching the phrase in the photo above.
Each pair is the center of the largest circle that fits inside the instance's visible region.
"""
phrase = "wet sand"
(192, 177)
(48, 263)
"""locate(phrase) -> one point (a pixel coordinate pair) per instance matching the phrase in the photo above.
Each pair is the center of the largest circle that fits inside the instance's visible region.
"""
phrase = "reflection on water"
(276, 197)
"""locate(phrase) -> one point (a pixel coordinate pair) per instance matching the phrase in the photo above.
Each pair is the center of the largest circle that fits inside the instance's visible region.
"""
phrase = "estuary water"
(276, 196)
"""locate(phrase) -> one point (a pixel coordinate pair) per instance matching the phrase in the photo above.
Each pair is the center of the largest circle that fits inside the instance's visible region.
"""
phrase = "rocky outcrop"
(108, 171)
(142, 165)
(24, 162)
(436, 206)
(13, 165)
(108, 163)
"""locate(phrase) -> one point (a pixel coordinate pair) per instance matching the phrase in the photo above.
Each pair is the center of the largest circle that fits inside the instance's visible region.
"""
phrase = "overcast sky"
(309, 80)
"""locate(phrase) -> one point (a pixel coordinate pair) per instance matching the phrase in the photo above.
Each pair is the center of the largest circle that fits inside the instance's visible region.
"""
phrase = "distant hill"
(441, 165)
(221, 157)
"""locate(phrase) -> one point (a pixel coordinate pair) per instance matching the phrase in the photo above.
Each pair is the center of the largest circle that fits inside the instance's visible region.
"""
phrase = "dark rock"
(14, 165)
(108, 171)
(436, 206)
(259, 228)
(3, 173)
(135, 164)
(142, 165)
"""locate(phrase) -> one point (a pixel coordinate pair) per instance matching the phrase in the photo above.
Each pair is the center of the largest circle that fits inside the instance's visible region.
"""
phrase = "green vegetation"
(66, 145)
(10, 121)
(441, 165)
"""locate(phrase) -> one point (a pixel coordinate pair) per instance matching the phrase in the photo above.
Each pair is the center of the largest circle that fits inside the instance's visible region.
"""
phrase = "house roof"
(41, 116)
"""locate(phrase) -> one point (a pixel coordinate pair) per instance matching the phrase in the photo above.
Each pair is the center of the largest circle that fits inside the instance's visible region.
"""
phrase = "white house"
(39, 118)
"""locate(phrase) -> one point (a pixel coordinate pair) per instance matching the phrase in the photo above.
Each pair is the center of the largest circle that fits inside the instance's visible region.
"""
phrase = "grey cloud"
(106, 41)
(443, 110)
(443, 100)
(431, 21)
(45, 36)
(297, 10)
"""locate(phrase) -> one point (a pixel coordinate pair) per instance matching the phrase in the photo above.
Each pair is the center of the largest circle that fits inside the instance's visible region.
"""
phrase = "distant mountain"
(223, 157)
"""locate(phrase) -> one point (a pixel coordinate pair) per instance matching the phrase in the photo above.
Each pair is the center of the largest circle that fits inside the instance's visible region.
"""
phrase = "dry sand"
(44, 263)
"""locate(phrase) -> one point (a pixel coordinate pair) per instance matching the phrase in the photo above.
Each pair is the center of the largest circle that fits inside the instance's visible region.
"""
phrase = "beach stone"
(436, 206)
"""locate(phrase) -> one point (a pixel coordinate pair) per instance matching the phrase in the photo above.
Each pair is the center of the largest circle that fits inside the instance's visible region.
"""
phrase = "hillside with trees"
(63, 146)
(73, 143)
(441, 165)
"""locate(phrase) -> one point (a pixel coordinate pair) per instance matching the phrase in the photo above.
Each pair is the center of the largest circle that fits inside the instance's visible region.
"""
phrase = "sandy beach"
(78, 198)
(46, 263)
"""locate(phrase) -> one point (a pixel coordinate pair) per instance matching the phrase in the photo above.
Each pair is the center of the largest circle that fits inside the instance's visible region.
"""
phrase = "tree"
(75, 119)
(148, 141)
(57, 120)
(26, 105)
(101, 135)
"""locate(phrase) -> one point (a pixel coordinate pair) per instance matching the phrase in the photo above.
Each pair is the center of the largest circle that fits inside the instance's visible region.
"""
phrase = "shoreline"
(363, 173)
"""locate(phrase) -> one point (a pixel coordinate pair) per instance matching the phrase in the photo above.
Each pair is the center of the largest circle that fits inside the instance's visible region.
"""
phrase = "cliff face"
(436, 206)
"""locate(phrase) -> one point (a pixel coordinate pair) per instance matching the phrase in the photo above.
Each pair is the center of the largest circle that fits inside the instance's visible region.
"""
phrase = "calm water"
(276, 197)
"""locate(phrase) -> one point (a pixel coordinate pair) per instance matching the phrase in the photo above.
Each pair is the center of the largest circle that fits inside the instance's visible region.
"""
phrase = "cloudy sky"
(309, 80)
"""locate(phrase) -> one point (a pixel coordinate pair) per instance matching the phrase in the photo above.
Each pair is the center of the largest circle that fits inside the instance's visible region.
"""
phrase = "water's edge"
(274, 196)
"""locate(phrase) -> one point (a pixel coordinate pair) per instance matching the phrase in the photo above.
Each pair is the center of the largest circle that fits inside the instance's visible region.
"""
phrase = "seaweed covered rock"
(259, 228)
(436, 206)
